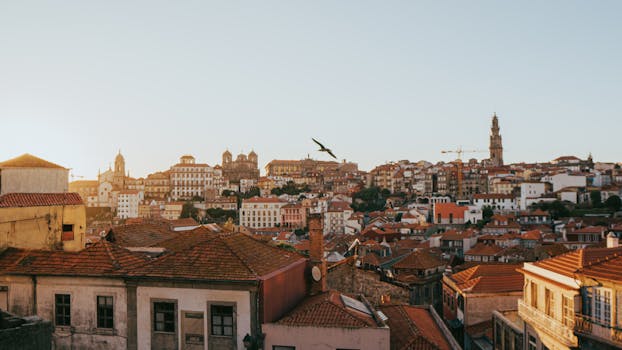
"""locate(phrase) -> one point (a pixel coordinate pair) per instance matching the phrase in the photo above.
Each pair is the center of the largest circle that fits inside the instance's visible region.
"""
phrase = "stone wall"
(352, 280)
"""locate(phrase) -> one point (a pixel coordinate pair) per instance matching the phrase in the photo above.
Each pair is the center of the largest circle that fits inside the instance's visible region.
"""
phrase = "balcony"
(590, 327)
(542, 321)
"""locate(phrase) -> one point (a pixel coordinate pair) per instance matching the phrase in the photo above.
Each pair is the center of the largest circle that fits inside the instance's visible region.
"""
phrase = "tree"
(369, 199)
(595, 199)
(189, 211)
(487, 212)
(614, 203)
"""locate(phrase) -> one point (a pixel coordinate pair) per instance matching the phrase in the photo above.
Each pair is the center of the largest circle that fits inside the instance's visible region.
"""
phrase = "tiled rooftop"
(493, 278)
(327, 310)
(28, 161)
(102, 258)
(420, 259)
(413, 327)
(567, 264)
(10, 200)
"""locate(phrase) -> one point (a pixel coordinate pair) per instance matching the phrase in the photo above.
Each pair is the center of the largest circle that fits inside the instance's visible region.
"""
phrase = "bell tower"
(496, 147)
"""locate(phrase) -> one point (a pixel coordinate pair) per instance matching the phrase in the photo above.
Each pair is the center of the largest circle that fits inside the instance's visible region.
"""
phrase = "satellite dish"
(316, 273)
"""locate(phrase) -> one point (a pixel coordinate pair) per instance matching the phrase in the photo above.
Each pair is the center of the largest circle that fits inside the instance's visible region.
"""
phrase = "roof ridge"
(234, 252)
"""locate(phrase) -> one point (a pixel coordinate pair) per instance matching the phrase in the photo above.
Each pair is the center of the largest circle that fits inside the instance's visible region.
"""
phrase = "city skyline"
(377, 83)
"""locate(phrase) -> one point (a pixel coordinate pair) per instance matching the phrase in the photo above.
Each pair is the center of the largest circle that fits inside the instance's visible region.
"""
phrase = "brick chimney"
(316, 254)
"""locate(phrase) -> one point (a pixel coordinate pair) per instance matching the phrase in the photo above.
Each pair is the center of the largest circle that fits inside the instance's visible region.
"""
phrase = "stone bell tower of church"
(496, 148)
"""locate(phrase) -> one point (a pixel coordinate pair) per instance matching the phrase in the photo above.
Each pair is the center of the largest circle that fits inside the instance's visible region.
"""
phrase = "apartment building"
(260, 212)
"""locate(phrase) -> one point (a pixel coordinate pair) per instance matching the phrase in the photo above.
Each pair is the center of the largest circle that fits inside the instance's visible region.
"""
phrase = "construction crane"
(459, 152)
(76, 176)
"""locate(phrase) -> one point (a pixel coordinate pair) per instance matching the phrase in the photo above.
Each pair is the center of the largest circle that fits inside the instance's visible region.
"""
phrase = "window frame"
(154, 311)
(65, 306)
(219, 315)
(210, 319)
(105, 312)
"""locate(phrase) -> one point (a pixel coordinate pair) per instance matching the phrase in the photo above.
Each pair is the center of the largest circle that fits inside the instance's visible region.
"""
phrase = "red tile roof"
(567, 264)
(101, 258)
(10, 200)
(482, 249)
(610, 268)
(444, 209)
(327, 310)
(493, 278)
(28, 161)
(203, 255)
(140, 235)
(420, 259)
(413, 327)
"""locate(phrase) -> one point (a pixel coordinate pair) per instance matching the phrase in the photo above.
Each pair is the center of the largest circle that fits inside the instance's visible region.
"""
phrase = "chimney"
(316, 254)
(612, 240)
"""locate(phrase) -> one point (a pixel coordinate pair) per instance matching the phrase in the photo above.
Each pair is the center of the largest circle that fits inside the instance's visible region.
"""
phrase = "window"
(105, 312)
(62, 304)
(67, 234)
(164, 317)
(534, 295)
(222, 320)
(567, 311)
(281, 347)
(549, 299)
(532, 343)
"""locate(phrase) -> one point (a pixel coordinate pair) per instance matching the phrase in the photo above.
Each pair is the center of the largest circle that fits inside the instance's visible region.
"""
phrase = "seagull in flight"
(323, 149)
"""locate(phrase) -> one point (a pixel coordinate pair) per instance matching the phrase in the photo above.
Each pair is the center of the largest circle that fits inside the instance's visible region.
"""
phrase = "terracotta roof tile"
(101, 258)
(29, 161)
(494, 278)
(482, 249)
(567, 264)
(327, 310)
(413, 327)
(202, 255)
(39, 199)
(140, 235)
(420, 259)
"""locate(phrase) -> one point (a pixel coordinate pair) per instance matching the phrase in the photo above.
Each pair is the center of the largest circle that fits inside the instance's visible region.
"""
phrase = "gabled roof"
(327, 310)
(413, 327)
(608, 269)
(29, 161)
(482, 249)
(140, 235)
(11, 200)
(100, 259)
(492, 278)
(201, 255)
(419, 259)
(567, 264)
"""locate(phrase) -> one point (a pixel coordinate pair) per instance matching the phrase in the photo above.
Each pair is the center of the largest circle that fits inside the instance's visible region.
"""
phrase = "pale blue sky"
(374, 80)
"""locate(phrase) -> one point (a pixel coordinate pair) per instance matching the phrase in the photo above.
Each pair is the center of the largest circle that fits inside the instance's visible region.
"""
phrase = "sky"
(375, 81)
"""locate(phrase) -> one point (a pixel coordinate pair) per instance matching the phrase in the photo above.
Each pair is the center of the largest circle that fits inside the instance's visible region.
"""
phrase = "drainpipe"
(34, 294)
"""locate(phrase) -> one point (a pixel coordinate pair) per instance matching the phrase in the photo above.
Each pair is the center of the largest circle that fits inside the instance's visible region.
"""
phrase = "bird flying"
(323, 149)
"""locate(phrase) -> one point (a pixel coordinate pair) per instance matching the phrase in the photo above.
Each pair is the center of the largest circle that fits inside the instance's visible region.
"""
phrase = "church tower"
(496, 148)
(118, 180)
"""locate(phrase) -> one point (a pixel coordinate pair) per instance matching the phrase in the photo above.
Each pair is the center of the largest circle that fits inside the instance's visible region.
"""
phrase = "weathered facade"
(30, 174)
(49, 221)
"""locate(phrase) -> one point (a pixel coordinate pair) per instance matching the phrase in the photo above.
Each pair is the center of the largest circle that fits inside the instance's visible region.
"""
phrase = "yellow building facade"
(46, 221)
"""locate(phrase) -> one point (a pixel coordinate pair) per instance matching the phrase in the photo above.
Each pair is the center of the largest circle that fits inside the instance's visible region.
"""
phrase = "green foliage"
(398, 217)
(557, 209)
(189, 211)
(221, 215)
(290, 188)
(614, 203)
(300, 232)
(595, 199)
(487, 213)
(370, 199)
(198, 199)
(227, 193)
